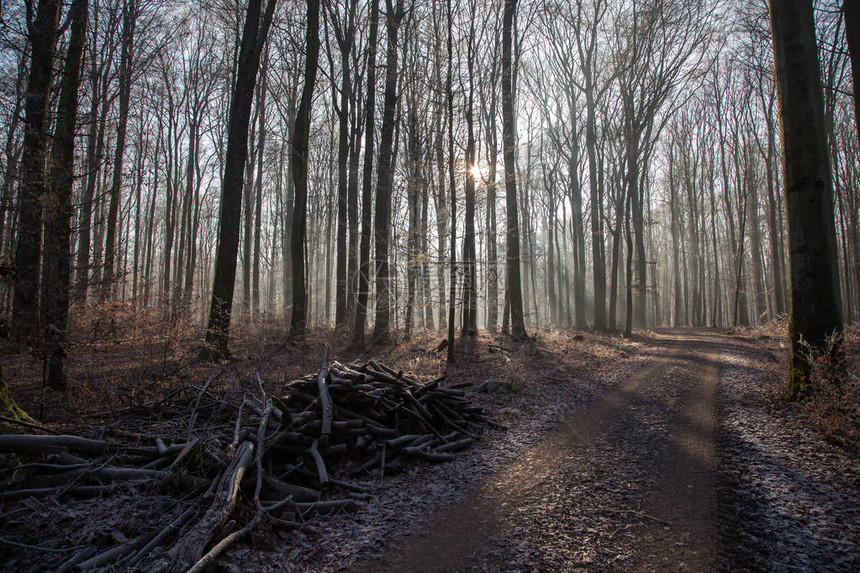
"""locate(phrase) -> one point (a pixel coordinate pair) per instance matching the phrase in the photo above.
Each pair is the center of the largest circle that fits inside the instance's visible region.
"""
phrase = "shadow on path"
(680, 532)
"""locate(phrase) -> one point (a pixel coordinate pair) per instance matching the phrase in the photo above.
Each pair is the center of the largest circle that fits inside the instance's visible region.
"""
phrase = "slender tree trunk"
(515, 293)
(691, 185)
(470, 277)
(171, 197)
(550, 272)
(717, 316)
(776, 242)
(575, 195)
(150, 226)
(452, 185)
(611, 323)
(258, 190)
(344, 38)
(248, 216)
(413, 214)
(299, 169)
(492, 247)
(352, 215)
(253, 38)
(129, 22)
(679, 317)
(425, 265)
(363, 280)
(385, 178)
(628, 269)
(759, 302)
(12, 153)
(598, 252)
(139, 175)
(637, 216)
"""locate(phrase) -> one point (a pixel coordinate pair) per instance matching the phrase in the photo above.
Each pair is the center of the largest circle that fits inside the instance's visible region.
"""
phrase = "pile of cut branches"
(267, 461)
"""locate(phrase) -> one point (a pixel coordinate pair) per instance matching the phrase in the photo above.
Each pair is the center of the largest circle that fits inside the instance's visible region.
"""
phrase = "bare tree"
(385, 178)
(367, 182)
(253, 38)
(514, 284)
(299, 169)
(130, 13)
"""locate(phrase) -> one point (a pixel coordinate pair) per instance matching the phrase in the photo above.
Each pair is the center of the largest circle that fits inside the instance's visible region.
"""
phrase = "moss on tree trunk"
(8, 407)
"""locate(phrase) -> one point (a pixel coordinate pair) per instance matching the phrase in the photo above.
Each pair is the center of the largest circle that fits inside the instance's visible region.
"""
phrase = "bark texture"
(816, 311)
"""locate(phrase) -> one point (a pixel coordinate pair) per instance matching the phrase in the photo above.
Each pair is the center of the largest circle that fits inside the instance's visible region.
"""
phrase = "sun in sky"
(478, 170)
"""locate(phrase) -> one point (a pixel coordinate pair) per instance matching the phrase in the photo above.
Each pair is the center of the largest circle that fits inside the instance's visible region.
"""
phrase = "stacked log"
(282, 458)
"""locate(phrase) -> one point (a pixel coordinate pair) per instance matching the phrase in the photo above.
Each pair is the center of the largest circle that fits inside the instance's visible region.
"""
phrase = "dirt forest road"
(641, 457)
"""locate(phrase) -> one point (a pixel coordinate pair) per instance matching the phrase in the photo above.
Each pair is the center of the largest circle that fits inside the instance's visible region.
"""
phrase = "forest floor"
(671, 451)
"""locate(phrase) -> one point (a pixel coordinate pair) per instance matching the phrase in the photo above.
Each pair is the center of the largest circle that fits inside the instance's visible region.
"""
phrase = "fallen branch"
(187, 551)
(325, 399)
(31, 425)
(342, 420)
(29, 444)
(222, 545)
(114, 553)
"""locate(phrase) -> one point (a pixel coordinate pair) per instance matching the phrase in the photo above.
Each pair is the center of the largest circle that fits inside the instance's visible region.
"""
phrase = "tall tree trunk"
(575, 195)
(691, 185)
(425, 252)
(413, 189)
(150, 226)
(139, 237)
(12, 153)
(452, 184)
(679, 315)
(289, 205)
(816, 311)
(514, 288)
(56, 270)
(363, 282)
(470, 277)
(385, 177)
(258, 190)
(248, 216)
(194, 224)
(717, 316)
(492, 248)
(637, 217)
(598, 248)
(352, 212)
(759, 302)
(170, 200)
(299, 169)
(550, 272)
(628, 268)
(253, 39)
(776, 242)
(43, 39)
(344, 34)
(129, 22)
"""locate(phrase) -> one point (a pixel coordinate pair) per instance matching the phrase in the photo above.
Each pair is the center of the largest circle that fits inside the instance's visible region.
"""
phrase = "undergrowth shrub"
(832, 393)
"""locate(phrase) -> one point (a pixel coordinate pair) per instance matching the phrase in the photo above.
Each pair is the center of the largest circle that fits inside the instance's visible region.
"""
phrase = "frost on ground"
(789, 501)
(786, 500)
(550, 387)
